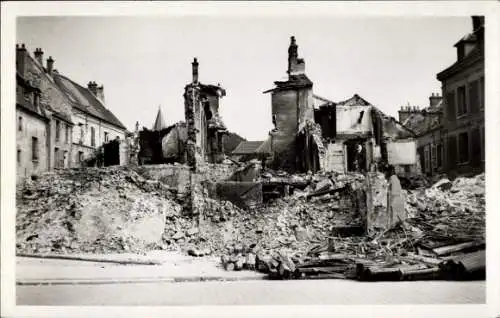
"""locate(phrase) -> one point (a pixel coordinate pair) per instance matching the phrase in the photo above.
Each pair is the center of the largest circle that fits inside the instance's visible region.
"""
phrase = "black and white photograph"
(188, 159)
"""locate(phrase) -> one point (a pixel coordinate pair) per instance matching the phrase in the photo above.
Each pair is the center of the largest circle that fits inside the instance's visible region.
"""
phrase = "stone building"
(427, 125)
(95, 126)
(205, 129)
(463, 104)
(59, 123)
(314, 133)
(43, 114)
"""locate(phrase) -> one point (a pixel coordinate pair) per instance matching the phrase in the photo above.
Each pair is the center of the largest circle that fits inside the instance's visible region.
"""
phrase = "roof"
(159, 123)
(355, 100)
(247, 147)
(294, 81)
(476, 54)
(425, 120)
(265, 147)
(84, 100)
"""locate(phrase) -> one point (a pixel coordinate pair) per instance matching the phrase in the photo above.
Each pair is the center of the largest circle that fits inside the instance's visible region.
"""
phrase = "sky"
(145, 62)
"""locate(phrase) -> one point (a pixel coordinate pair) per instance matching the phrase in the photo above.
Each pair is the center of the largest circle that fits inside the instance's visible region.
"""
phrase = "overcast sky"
(144, 62)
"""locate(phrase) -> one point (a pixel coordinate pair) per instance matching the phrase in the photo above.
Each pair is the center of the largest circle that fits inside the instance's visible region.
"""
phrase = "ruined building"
(205, 129)
(197, 140)
(314, 133)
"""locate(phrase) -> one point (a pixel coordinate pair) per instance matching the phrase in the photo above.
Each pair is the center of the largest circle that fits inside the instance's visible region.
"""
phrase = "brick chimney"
(50, 65)
(407, 111)
(296, 65)
(38, 55)
(434, 99)
(100, 93)
(21, 54)
(92, 86)
(195, 70)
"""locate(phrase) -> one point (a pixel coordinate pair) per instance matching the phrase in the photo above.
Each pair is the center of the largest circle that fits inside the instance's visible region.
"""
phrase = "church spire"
(159, 123)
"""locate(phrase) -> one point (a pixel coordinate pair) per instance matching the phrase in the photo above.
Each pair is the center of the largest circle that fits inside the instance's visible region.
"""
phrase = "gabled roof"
(159, 123)
(355, 100)
(82, 99)
(247, 147)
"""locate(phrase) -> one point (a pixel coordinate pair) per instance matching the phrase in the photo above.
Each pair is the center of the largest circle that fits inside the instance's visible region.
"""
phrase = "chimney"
(50, 65)
(295, 64)
(38, 55)
(195, 70)
(100, 93)
(477, 22)
(92, 86)
(21, 54)
(434, 99)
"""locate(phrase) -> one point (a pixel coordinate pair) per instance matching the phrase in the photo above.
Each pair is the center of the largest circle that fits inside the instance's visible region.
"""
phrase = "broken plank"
(446, 250)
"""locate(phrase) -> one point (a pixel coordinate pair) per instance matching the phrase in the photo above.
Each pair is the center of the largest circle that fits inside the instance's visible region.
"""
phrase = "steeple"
(159, 123)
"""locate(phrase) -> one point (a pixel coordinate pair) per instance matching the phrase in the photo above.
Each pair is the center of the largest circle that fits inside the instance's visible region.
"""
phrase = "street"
(262, 292)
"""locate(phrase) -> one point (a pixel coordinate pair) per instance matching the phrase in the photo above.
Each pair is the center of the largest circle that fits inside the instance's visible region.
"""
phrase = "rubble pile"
(92, 210)
(443, 238)
(450, 210)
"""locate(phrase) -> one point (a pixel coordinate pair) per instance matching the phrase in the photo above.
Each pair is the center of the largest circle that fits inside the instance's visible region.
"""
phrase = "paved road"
(322, 292)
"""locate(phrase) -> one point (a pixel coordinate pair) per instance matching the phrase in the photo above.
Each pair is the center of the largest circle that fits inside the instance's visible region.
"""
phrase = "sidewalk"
(174, 267)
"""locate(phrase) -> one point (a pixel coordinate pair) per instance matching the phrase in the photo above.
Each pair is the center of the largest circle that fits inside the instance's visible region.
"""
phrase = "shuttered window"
(450, 106)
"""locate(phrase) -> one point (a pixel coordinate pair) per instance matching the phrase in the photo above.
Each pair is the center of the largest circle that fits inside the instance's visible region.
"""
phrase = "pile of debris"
(442, 239)
(93, 210)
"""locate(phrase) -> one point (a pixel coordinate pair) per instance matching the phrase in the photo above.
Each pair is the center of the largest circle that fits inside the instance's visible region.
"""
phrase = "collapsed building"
(314, 133)
(197, 140)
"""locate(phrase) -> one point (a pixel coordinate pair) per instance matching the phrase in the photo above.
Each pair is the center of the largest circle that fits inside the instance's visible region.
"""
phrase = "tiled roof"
(424, 121)
(247, 147)
(85, 101)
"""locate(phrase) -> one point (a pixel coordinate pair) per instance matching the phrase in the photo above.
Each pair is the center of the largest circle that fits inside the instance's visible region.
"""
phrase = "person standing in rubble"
(395, 201)
(359, 160)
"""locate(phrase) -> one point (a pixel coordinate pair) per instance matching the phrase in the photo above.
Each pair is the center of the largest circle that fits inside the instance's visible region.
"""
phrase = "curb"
(48, 282)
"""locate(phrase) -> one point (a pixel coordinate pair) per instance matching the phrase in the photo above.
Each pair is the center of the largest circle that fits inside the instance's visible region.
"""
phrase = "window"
(463, 147)
(439, 155)
(92, 136)
(433, 156)
(81, 133)
(474, 99)
(20, 123)
(80, 156)
(481, 93)
(57, 158)
(34, 148)
(66, 134)
(462, 102)
(427, 159)
(58, 130)
(450, 105)
(36, 99)
(18, 156)
(106, 136)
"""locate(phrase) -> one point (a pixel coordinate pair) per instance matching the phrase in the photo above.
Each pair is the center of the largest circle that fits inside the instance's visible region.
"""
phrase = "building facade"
(463, 104)
(39, 97)
(55, 130)
(427, 124)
